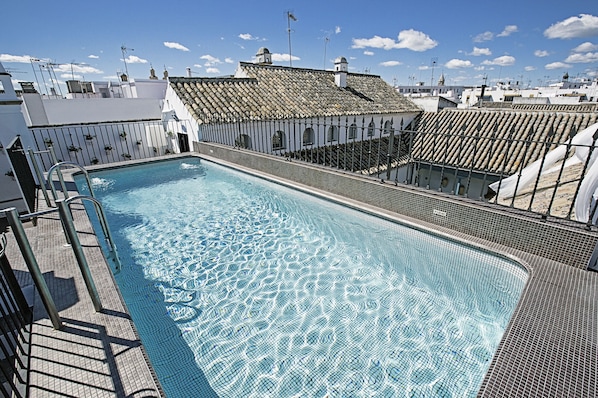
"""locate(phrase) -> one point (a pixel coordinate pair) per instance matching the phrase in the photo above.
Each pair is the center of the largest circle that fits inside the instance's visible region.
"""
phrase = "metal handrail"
(104, 224)
(57, 166)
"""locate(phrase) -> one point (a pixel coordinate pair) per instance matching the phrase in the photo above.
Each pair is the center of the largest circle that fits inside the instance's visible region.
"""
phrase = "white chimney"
(188, 71)
(263, 56)
(340, 72)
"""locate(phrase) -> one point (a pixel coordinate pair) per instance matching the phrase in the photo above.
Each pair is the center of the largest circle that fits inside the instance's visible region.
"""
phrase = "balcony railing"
(91, 144)
(469, 163)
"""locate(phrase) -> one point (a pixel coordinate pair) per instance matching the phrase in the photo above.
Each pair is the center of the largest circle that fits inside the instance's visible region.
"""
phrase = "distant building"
(330, 106)
(562, 93)
(421, 90)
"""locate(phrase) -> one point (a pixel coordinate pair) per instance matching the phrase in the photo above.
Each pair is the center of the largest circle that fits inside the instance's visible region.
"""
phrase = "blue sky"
(530, 41)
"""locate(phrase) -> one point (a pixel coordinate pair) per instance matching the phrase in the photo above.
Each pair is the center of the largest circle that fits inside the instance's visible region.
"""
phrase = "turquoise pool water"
(240, 287)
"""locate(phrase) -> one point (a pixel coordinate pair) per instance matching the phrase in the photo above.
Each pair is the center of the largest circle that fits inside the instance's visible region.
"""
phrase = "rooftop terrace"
(549, 349)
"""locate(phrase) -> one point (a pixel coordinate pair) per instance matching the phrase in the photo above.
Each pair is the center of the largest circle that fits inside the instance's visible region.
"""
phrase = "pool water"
(240, 287)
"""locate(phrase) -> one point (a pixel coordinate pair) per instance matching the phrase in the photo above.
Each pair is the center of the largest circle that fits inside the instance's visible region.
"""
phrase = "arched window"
(308, 136)
(388, 127)
(243, 141)
(371, 129)
(332, 134)
(352, 131)
(278, 140)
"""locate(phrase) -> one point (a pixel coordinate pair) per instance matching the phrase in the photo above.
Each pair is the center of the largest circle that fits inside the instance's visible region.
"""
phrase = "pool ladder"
(65, 212)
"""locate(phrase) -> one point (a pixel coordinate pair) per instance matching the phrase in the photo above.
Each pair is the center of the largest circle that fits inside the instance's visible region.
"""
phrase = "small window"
(243, 141)
(371, 129)
(308, 136)
(278, 140)
(332, 134)
(352, 131)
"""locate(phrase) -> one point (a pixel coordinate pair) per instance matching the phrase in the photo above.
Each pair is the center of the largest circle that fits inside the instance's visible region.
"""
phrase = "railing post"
(65, 215)
(19, 232)
(60, 177)
(40, 177)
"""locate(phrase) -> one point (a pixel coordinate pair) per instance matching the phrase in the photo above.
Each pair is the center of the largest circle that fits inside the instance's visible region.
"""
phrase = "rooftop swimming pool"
(241, 287)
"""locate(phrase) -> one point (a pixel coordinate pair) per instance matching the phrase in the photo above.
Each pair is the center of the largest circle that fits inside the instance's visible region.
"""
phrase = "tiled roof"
(491, 140)
(277, 92)
(580, 107)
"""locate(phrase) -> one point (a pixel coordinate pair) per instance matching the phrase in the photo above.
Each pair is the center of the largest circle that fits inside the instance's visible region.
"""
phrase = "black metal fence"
(90, 144)
(15, 331)
(472, 162)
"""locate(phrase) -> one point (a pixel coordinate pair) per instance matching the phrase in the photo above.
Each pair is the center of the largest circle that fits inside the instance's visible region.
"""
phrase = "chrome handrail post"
(12, 216)
(69, 226)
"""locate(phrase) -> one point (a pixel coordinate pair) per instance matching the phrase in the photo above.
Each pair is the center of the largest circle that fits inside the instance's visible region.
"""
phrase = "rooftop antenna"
(35, 74)
(124, 50)
(289, 17)
(326, 40)
(55, 79)
(434, 61)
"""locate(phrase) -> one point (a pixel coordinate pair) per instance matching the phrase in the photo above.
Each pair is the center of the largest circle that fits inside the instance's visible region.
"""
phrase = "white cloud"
(541, 53)
(505, 60)
(93, 56)
(210, 60)
(557, 65)
(283, 57)
(391, 63)
(585, 47)
(415, 41)
(582, 58)
(248, 36)
(337, 30)
(529, 68)
(409, 39)
(176, 46)
(77, 68)
(229, 60)
(16, 58)
(583, 26)
(508, 30)
(133, 59)
(458, 63)
(68, 76)
(486, 36)
(212, 70)
(375, 42)
(197, 66)
(480, 51)
(368, 53)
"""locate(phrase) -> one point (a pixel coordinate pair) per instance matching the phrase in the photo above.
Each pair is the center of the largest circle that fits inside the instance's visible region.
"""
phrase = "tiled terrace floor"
(550, 349)
(94, 354)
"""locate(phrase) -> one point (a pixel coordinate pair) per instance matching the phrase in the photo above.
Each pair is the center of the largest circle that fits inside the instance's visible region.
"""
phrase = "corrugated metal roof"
(277, 92)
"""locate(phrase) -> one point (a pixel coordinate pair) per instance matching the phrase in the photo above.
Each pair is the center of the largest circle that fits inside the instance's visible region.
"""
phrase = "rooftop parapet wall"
(568, 243)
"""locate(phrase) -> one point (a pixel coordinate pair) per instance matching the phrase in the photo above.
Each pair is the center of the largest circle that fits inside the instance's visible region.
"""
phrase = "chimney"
(188, 71)
(263, 56)
(340, 72)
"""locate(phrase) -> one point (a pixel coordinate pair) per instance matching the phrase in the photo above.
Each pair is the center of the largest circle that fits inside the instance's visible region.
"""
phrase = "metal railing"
(15, 331)
(466, 161)
(103, 143)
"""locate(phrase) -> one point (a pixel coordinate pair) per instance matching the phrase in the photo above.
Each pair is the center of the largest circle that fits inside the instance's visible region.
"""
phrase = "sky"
(530, 42)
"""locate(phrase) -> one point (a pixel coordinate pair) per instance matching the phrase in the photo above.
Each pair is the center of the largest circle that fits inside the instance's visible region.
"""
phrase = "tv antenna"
(434, 62)
(124, 50)
(326, 40)
(289, 17)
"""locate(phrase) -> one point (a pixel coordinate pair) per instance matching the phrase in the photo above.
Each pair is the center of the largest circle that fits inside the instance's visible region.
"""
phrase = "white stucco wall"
(88, 110)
